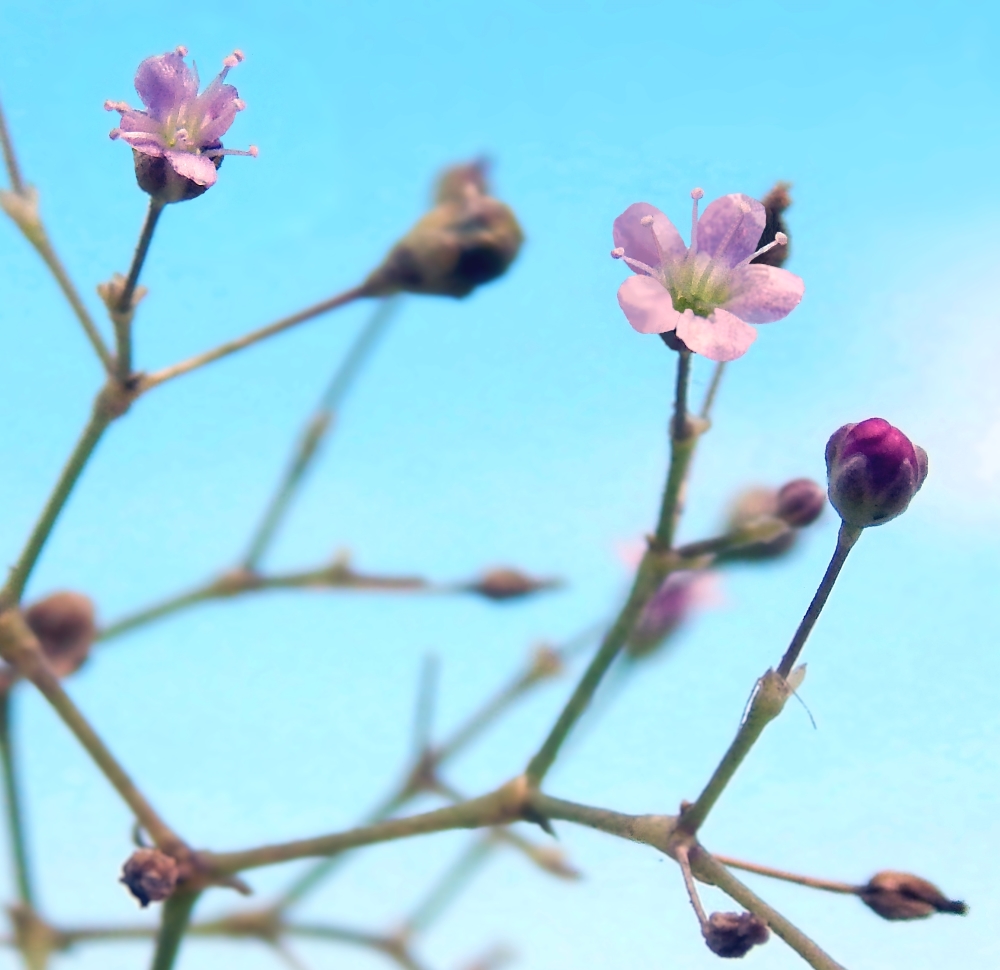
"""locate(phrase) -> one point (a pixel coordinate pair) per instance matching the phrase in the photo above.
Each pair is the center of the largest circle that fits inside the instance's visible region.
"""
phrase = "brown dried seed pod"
(505, 584)
(734, 935)
(65, 627)
(775, 203)
(901, 895)
(151, 875)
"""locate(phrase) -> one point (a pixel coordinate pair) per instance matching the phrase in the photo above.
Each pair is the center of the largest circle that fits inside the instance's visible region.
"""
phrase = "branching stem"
(12, 799)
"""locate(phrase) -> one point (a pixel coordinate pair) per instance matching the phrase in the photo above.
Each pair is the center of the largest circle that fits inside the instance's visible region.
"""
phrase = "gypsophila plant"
(702, 298)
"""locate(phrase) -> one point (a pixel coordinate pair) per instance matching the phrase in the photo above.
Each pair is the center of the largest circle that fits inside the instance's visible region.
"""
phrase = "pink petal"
(164, 83)
(647, 304)
(639, 241)
(197, 168)
(216, 105)
(719, 219)
(722, 336)
(143, 142)
(138, 121)
(764, 294)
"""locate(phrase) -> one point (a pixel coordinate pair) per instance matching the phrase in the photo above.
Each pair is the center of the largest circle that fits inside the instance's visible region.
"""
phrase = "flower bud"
(467, 239)
(679, 594)
(900, 895)
(65, 627)
(800, 502)
(775, 203)
(874, 471)
(507, 584)
(151, 875)
(752, 508)
(734, 935)
(156, 176)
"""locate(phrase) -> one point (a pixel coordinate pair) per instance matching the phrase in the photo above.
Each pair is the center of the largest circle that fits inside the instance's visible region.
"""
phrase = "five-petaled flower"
(176, 139)
(707, 293)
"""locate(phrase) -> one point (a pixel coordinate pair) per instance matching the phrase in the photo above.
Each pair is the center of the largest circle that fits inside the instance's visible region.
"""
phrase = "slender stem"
(713, 390)
(255, 336)
(176, 916)
(12, 794)
(769, 698)
(653, 569)
(318, 426)
(684, 862)
(827, 885)
(709, 870)
(9, 156)
(496, 808)
(654, 830)
(122, 313)
(454, 880)
(100, 418)
(846, 539)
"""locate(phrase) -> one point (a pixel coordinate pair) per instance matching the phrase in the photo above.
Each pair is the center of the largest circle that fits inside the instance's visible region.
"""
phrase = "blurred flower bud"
(752, 509)
(65, 627)
(508, 584)
(874, 472)
(734, 935)
(553, 860)
(900, 895)
(680, 593)
(775, 203)
(800, 502)
(151, 875)
(467, 239)
(546, 662)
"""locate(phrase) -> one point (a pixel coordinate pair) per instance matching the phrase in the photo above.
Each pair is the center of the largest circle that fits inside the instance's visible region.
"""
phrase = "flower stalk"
(12, 799)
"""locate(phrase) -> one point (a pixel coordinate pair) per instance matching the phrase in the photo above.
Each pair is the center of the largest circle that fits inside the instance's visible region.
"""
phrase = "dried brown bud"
(151, 875)
(900, 895)
(734, 935)
(775, 203)
(508, 584)
(546, 662)
(800, 502)
(467, 239)
(64, 625)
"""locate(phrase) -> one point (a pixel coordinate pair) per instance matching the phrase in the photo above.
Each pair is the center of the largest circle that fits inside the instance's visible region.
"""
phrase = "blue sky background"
(523, 425)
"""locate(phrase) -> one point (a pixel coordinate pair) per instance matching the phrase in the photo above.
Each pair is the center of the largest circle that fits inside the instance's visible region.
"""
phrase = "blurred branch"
(9, 156)
(455, 878)
(317, 427)
(174, 923)
(12, 799)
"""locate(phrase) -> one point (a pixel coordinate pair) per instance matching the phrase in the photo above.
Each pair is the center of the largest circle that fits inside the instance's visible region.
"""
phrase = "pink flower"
(180, 125)
(680, 594)
(707, 293)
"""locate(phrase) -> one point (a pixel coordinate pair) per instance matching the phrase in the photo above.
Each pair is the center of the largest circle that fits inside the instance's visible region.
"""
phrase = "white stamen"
(618, 253)
(115, 133)
(121, 106)
(780, 238)
(646, 221)
(182, 50)
(252, 151)
(638, 266)
(697, 194)
(233, 59)
(240, 104)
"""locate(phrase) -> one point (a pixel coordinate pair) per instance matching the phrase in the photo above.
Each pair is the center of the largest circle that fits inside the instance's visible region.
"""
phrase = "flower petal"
(647, 305)
(136, 121)
(164, 83)
(736, 218)
(197, 168)
(722, 336)
(640, 242)
(216, 107)
(763, 294)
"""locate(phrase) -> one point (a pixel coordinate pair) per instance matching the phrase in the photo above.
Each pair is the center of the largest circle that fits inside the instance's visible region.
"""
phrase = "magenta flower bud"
(680, 594)
(800, 502)
(874, 471)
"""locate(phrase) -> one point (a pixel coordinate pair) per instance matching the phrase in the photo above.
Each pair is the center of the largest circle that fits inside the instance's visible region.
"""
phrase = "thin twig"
(149, 381)
(455, 878)
(9, 156)
(12, 798)
(713, 390)
(176, 916)
(827, 885)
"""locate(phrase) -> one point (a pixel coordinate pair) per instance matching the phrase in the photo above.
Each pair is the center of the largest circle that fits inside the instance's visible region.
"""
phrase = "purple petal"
(197, 168)
(216, 105)
(647, 304)
(764, 294)
(722, 336)
(143, 142)
(639, 241)
(165, 82)
(737, 214)
(135, 121)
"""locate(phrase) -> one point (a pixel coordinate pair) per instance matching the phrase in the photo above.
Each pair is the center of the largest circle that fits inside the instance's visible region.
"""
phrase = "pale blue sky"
(523, 425)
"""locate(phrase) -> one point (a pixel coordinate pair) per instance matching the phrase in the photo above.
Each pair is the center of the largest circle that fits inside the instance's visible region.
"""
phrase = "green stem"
(9, 156)
(100, 418)
(176, 916)
(454, 880)
(317, 428)
(123, 312)
(846, 539)
(15, 821)
(653, 569)
(827, 885)
(713, 390)
(709, 870)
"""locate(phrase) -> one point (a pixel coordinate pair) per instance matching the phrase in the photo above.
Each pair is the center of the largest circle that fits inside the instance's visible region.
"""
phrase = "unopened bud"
(775, 203)
(754, 510)
(65, 627)
(507, 584)
(553, 860)
(467, 239)
(546, 662)
(874, 471)
(734, 935)
(800, 502)
(900, 895)
(679, 594)
(151, 875)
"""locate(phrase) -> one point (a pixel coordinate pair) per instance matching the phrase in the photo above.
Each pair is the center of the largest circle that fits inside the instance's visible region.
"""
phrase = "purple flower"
(874, 472)
(709, 292)
(679, 595)
(178, 125)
